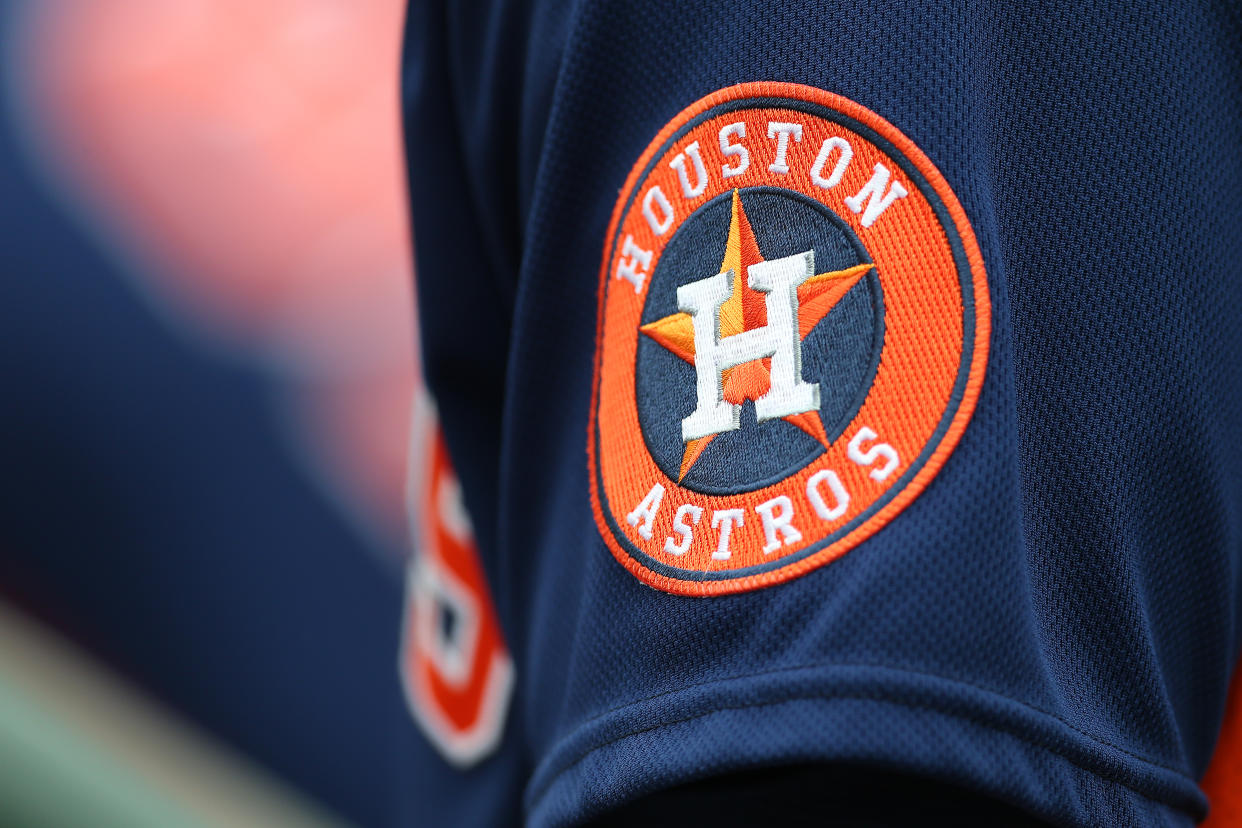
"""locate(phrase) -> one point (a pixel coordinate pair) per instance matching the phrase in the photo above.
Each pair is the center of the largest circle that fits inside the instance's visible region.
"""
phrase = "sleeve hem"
(883, 717)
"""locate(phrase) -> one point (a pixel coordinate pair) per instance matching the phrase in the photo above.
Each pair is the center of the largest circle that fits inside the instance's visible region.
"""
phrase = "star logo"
(745, 310)
(852, 303)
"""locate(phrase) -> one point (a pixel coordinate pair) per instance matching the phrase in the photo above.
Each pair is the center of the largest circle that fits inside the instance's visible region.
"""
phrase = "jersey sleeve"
(854, 389)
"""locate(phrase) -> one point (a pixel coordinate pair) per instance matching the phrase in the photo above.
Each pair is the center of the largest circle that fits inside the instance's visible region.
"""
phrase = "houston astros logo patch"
(793, 331)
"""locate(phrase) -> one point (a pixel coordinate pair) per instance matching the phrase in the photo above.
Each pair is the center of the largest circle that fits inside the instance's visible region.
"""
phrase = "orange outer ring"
(978, 366)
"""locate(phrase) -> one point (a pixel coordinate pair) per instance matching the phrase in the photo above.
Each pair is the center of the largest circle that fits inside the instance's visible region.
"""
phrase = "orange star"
(745, 310)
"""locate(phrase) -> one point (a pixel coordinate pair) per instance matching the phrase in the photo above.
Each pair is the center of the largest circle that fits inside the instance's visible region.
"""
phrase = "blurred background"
(208, 367)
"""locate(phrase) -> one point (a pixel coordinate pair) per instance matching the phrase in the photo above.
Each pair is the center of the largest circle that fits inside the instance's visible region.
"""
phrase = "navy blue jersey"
(831, 388)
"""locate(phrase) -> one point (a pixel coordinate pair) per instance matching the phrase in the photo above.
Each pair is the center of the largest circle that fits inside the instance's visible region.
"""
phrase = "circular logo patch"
(793, 331)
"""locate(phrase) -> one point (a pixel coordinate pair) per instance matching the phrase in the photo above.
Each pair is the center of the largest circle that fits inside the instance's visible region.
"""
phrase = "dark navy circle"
(841, 353)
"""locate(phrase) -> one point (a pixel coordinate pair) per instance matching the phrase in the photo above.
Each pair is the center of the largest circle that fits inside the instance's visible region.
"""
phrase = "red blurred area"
(246, 159)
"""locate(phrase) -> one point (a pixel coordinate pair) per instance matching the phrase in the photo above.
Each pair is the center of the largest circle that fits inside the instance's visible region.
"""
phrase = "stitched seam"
(849, 696)
(904, 670)
(818, 666)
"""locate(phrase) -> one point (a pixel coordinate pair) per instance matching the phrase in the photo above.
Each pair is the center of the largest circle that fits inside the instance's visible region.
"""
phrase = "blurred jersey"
(245, 163)
(207, 351)
(845, 386)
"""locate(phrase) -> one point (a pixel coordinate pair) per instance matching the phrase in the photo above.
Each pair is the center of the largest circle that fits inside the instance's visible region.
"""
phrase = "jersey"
(845, 388)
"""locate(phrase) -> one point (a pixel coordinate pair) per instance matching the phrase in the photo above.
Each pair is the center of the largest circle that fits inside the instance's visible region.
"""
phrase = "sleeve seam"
(804, 697)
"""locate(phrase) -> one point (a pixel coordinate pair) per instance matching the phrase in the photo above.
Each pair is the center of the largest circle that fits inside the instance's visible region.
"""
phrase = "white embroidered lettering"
(730, 150)
(841, 496)
(700, 172)
(655, 198)
(869, 456)
(778, 339)
(725, 520)
(633, 264)
(846, 152)
(644, 513)
(686, 531)
(777, 517)
(877, 200)
(781, 132)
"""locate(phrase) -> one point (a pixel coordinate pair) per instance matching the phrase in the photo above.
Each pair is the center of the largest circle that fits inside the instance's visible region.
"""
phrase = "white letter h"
(787, 394)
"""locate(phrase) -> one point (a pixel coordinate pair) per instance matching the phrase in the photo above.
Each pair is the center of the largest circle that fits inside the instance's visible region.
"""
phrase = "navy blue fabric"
(1052, 622)
(152, 510)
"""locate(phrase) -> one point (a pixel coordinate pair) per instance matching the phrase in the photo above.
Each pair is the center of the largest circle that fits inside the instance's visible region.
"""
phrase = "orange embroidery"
(917, 255)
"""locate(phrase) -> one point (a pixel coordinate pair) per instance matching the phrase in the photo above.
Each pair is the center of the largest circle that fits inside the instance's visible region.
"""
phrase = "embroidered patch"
(793, 331)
